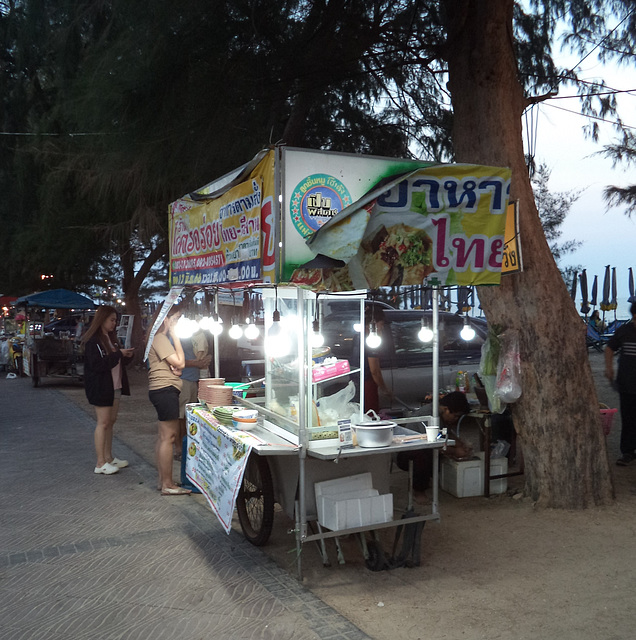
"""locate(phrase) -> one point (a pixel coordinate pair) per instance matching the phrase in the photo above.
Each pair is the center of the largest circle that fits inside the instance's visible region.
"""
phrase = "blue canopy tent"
(56, 299)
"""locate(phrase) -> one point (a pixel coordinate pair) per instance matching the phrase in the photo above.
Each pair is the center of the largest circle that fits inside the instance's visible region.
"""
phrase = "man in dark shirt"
(624, 342)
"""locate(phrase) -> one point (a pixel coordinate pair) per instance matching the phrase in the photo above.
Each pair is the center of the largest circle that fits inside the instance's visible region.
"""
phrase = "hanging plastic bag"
(490, 351)
(337, 406)
(508, 386)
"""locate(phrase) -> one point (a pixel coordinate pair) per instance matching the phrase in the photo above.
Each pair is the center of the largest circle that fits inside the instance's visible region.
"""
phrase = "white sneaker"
(120, 464)
(107, 468)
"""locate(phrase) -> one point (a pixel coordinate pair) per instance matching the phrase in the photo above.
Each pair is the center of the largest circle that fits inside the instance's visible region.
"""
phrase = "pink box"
(330, 370)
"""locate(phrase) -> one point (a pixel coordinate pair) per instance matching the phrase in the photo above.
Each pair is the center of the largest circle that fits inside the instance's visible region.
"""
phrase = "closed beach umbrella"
(631, 298)
(585, 307)
(605, 302)
(614, 301)
(594, 291)
(573, 287)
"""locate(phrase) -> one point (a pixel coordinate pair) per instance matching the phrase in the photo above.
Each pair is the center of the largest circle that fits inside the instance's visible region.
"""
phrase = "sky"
(608, 236)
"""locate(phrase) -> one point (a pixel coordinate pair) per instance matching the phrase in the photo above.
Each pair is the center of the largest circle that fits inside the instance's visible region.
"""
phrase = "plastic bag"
(337, 406)
(508, 385)
(499, 449)
(490, 351)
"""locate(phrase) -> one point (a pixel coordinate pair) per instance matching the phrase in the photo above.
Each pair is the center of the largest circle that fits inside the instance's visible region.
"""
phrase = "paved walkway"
(90, 556)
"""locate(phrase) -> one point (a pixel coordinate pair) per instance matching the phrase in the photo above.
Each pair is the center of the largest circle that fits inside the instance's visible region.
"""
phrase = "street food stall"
(45, 355)
(307, 230)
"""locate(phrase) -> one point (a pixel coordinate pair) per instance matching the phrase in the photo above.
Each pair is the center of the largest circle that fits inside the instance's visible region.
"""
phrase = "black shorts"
(166, 402)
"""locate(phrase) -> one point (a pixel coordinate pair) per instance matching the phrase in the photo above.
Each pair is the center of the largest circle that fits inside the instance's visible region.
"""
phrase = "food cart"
(48, 355)
(307, 229)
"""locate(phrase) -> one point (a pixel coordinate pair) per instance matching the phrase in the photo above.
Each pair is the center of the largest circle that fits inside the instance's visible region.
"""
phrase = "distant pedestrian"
(165, 363)
(623, 342)
(105, 381)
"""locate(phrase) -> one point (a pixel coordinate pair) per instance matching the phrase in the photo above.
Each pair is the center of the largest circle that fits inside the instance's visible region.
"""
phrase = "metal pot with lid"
(374, 433)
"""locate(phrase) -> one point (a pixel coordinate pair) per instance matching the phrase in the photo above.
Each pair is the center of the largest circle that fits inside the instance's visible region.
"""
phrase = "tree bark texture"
(557, 416)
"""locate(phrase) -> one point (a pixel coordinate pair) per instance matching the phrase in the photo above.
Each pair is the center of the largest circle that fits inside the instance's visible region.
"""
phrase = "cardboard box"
(324, 372)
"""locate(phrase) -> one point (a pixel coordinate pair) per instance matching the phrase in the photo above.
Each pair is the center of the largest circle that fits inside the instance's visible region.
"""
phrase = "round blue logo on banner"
(315, 200)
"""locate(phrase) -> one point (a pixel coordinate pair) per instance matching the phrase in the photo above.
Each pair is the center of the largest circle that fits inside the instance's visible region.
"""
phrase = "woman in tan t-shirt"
(165, 362)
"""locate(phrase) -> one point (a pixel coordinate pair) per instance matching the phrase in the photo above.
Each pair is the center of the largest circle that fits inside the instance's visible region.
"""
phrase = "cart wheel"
(255, 501)
(376, 560)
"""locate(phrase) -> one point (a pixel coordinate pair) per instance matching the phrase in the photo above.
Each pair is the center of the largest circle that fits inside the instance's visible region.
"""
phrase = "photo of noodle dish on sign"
(396, 255)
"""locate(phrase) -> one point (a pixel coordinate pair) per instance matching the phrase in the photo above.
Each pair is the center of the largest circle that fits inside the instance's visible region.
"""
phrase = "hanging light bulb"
(251, 330)
(317, 339)
(216, 325)
(184, 328)
(357, 327)
(426, 333)
(373, 339)
(277, 343)
(467, 333)
(235, 331)
(205, 323)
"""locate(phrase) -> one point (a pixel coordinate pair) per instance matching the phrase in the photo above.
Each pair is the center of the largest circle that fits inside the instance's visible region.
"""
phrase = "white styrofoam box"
(462, 479)
(465, 478)
(498, 466)
(348, 495)
(351, 501)
(342, 485)
(359, 511)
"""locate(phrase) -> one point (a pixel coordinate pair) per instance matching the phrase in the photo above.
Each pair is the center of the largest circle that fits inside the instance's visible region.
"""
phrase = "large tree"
(181, 93)
(557, 415)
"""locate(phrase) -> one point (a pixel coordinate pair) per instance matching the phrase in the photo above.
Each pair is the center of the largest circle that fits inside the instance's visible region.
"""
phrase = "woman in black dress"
(105, 381)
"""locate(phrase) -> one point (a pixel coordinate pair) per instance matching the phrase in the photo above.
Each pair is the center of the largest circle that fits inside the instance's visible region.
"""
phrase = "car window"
(405, 338)
(451, 338)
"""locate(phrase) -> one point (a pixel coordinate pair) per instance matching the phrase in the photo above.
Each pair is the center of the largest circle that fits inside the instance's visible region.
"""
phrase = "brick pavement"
(84, 555)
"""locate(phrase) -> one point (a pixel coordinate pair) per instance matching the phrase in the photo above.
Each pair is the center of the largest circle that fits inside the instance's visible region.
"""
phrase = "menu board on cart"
(215, 463)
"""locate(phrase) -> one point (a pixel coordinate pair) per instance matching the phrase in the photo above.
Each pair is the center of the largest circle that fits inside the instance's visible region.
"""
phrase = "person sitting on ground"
(452, 407)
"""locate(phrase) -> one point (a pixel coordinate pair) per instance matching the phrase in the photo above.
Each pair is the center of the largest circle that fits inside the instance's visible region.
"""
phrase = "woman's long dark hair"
(101, 315)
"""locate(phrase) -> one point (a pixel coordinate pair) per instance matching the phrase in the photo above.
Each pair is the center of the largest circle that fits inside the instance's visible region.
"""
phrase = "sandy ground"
(492, 568)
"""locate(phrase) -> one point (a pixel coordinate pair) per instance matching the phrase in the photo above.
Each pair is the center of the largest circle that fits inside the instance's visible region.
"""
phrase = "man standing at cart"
(195, 350)
(624, 342)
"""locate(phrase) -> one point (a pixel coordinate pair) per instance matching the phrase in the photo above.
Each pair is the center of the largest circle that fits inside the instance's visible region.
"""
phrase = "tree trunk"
(557, 416)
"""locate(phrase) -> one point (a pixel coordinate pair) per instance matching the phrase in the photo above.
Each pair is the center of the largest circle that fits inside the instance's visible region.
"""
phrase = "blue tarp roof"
(56, 299)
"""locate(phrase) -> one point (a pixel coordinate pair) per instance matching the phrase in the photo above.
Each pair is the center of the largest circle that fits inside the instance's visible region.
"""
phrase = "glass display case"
(304, 383)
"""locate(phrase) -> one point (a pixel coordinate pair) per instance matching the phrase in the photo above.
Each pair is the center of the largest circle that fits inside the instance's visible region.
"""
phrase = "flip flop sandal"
(178, 491)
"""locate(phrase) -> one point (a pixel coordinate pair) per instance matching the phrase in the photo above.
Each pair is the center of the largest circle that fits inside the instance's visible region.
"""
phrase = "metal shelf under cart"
(293, 475)
(293, 482)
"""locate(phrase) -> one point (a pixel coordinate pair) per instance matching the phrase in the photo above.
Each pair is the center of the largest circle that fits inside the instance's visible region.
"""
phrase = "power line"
(600, 93)
(578, 113)
(598, 44)
(55, 135)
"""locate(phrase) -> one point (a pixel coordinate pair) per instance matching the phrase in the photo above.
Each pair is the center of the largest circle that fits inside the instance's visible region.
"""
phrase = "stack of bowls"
(204, 382)
(215, 395)
(245, 420)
